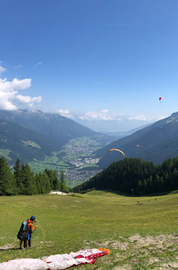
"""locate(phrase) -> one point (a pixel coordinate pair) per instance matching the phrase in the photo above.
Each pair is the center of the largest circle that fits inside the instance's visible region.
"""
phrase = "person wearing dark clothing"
(25, 232)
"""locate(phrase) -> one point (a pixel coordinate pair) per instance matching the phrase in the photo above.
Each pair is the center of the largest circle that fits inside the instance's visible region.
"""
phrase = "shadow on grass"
(8, 247)
(121, 193)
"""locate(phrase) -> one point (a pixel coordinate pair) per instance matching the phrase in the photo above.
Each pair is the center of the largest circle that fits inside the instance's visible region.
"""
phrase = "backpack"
(23, 232)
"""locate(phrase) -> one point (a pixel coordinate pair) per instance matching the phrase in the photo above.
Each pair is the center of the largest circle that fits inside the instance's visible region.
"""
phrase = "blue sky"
(103, 63)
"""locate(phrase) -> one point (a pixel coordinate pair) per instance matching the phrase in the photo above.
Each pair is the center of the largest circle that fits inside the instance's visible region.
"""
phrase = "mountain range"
(32, 136)
(155, 143)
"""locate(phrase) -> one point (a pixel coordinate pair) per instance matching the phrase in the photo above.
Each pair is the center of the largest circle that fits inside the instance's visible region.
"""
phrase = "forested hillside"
(155, 143)
(135, 177)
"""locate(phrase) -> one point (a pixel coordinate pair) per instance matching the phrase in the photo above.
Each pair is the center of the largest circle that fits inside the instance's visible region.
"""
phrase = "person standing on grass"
(25, 232)
(31, 229)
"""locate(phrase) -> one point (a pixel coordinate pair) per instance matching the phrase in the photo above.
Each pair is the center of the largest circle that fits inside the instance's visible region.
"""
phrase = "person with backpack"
(25, 232)
(31, 229)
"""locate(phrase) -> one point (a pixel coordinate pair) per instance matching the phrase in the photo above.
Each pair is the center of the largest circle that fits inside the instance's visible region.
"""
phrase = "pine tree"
(63, 182)
(28, 180)
(39, 183)
(7, 180)
(18, 178)
(46, 183)
(56, 183)
(50, 176)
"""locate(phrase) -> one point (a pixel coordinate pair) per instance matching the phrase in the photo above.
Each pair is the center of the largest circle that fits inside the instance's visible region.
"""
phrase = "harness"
(24, 231)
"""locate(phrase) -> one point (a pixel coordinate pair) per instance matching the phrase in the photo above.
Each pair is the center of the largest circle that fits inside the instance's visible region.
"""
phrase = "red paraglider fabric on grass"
(73, 259)
(56, 262)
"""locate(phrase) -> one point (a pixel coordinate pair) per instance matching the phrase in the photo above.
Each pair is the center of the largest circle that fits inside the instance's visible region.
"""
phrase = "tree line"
(22, 181)
(135, 177)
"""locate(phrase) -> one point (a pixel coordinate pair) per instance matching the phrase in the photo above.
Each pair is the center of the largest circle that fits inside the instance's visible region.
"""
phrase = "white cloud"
(38, 64)
(138, 118)
(105, 111)
(145, 118)
(19, 66)
(5, 104)
(27, 99)
(15, 84)
(2, 69)
(93, 115)
(102, 115)
(9, 93)
(66, 113)
(105, 115)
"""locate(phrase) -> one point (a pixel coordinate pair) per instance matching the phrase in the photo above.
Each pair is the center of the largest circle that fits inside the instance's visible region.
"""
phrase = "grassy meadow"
(140, 232)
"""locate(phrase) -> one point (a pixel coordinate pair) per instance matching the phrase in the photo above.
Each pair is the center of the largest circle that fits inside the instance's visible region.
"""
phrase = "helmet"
(32, 218)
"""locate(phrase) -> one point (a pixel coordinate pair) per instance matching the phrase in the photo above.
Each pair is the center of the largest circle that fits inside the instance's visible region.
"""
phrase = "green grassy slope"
(19, 142)
(94, 220)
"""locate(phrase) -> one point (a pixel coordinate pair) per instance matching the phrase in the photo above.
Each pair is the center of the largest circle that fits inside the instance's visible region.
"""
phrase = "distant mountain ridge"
(33, 135)
(155, 143)
(19, 142)
(48, 124)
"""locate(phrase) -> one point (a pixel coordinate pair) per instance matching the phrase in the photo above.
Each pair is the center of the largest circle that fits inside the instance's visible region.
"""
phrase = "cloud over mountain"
(9, 93)
(105, 115)
(105, 120)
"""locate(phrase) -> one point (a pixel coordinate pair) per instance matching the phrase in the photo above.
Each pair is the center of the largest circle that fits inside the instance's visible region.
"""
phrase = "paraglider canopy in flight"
(160, 98)
(114, 149)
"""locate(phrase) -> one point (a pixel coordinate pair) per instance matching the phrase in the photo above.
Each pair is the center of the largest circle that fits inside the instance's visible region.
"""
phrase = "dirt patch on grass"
(159, 241)
(137, 252)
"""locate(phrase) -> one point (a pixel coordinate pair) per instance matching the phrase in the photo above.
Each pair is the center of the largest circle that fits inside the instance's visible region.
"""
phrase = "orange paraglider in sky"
(114, 149)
